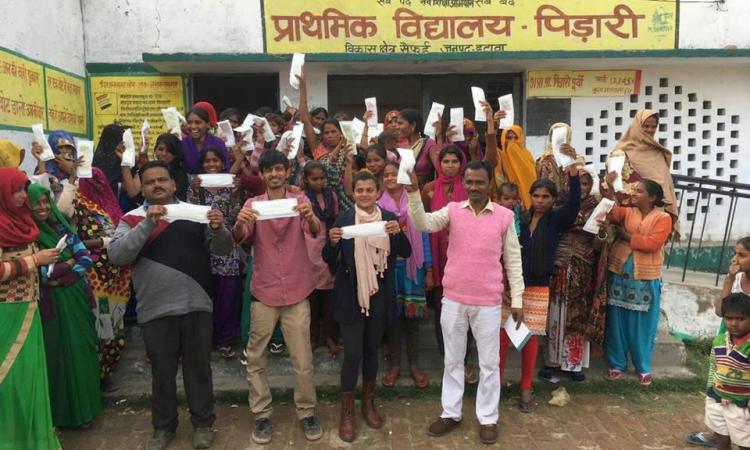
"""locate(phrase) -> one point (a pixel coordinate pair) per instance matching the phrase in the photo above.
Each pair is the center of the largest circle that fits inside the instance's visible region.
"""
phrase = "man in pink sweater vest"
(482, 240)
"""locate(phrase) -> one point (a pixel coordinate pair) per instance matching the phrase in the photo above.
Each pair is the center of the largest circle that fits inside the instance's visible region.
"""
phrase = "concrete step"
(133, 376)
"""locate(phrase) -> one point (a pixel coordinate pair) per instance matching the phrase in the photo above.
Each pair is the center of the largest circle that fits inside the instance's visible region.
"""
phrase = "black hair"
(271, 158)
(451, 150)
(364, 175)
(277, 119)
(386, 136)
(200, 112)
(262, 111)
(342, 115)
(654, 189)
(479, 165)
(413, 116)
(332, 121)
(544, 183)
(219, 154)
(310, 166)
(513, 187)
(745, 242)
(229, 112)
(391, 163)
(104, 156)
(737, 303)
(172, 143)
(154, 164)
(318, 110)
(377, 148)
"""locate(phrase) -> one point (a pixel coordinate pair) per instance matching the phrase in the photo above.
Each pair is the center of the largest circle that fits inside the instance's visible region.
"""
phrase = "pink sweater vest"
(474, 270)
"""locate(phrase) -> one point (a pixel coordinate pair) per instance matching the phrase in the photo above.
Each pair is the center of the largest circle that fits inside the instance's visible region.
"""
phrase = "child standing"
(325, 205)
(729, 376)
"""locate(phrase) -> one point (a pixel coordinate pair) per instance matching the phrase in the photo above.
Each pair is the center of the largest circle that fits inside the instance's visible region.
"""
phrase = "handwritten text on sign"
(66, 102)
(583, 83)
(22, 101)
(453, 26)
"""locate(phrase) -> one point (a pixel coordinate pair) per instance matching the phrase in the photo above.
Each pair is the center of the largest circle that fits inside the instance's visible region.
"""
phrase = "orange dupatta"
(517, 164)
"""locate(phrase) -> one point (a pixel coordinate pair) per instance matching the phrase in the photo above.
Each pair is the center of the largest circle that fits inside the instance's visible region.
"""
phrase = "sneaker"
(203, 437)
(577, 377)
(276, 348)
(442, 426)
(488, 434)
(263, 431)
(311, 428)
(160, 440)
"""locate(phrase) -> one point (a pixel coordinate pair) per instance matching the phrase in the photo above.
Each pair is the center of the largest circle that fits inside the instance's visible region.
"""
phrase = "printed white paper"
(86, 151)
(371, 229)
(407, 163)
(560, 137)
(47, 153)
(359, 128)
(519, 337)
(594, 178)
(293, 136)
(457, 122)
(286, 103)
(61, 244)
(42, 179)
(268, 135)
(371, 104)
(477, 94)
(187, 211)
(225, 132)
(599, 213)
(172, 119)
(506, 104)
(615, 164)
(298, 60)
(436, 113)
(217, 180)
(145, 130)
(276, 209)
(374, 132)
(128, 156)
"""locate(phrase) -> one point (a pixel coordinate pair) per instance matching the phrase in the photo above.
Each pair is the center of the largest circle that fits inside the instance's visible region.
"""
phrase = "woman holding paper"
(578, 294)
(550, 167)
(541, 228)
(644, 157)
(409, 127)
(63, 167)
(634, 285)
(68, 321)
(200, 120)
(364, 293)
(224, 269)
(24, 392)
(413, 279)
(166, 150)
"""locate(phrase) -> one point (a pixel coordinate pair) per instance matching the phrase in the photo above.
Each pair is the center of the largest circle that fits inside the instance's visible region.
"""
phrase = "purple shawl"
(416, 260)
(191, 153)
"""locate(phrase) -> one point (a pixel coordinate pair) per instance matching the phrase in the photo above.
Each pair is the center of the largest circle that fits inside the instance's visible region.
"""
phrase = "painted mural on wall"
(458, 26)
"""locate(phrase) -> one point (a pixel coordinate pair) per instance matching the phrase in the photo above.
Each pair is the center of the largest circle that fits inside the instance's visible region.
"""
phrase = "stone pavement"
(590, 421)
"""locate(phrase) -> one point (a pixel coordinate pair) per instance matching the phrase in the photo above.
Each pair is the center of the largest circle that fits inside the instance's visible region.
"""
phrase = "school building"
(80, 64)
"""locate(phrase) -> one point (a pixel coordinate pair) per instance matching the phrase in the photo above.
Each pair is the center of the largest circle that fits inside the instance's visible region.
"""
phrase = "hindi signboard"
(582, 83)
(66, 101)
(22, 100)
(459, 26)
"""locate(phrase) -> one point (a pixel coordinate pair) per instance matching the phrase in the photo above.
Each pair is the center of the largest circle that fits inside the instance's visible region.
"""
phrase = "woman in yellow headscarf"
(645, 158)
(515, 163)
(11, 155)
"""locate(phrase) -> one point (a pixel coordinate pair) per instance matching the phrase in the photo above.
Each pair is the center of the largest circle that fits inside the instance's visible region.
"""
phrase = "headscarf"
(370, 258)
(439, 240)
(56, 139)
(105, 157)
(17, 225)
(390, 115)
(48, 236)
(416, 260)
(517, 163)
(210, 110)
(10, 154)
(97, 190)
(327, 214)
(470, 131)
(650, 159)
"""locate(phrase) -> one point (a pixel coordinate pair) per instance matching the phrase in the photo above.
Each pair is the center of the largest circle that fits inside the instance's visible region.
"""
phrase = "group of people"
(482, 231)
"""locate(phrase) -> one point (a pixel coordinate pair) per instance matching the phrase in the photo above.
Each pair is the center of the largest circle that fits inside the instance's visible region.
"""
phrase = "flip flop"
(700, 439)
(613, 374)
(528, 407)
(390, 378)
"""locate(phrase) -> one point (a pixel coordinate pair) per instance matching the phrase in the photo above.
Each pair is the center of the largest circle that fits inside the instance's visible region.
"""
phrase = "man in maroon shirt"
(282, 282)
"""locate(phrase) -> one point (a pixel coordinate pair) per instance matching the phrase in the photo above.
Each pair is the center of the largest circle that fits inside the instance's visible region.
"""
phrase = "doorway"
(244, 92)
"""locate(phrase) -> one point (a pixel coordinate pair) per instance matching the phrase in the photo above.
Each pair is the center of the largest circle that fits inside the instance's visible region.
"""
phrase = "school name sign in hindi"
(129, 99)
(583, 83)
(458, 26)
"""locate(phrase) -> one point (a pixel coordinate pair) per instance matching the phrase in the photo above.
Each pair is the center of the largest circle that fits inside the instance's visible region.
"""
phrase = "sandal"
(613, 374)
(471, 375)
(333, 349)
(645, 379)
(227, 352)
(390, 378)
(529, 406)
(701, 439)
(421, 381)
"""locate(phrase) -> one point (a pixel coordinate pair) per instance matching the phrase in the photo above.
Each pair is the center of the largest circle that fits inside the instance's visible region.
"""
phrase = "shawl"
(535, 266)
(327, 214)
(105, 157)
(97, 190)
(439, 240)
(55, 139)
(191, 152)
(516, 163)
(651, 160)
(10, 154)
(17, 226)
(48, 235)
(401, 210)
(370, 259)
